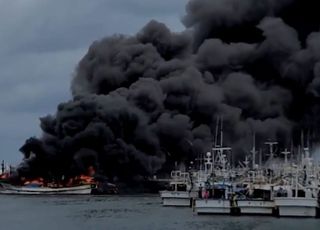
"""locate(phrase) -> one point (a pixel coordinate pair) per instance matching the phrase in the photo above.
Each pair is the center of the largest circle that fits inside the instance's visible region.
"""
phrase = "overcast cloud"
(41, 42)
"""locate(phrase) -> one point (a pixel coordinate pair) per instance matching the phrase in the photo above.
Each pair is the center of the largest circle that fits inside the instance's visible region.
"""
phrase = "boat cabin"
(178, 187)
(288, 191)
(218, 190)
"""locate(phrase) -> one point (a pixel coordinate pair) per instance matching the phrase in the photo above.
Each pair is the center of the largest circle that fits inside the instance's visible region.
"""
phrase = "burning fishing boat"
(79, 185)
(76, 186)
(35, 190)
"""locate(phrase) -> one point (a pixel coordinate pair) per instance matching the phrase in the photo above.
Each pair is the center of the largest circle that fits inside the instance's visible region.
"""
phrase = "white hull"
(256, 207)
(212, 206)
(252, 207)
(177, 198)
(16, 190)
(299, 207)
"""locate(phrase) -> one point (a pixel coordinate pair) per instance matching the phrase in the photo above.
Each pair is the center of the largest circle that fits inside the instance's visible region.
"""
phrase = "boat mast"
(253, 151)
(260, 157)
(271, 144)
(285, 153)
(296, 185)
(246, 162)
(216, 133)
(302, 146)
(221, 157)
(221, 133)
(292, 150)
(215, 144)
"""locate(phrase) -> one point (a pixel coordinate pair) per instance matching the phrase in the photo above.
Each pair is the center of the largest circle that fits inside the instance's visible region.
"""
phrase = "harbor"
(177, 115)
(284, 185)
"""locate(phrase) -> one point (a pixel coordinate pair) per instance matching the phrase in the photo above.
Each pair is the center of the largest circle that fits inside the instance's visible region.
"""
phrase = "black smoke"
(141, 103)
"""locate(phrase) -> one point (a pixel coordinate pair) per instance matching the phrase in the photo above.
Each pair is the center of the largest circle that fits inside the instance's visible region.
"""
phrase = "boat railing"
(180, 176)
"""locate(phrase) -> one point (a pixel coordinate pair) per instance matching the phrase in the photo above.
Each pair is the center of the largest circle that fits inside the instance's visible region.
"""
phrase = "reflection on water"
(124, 212)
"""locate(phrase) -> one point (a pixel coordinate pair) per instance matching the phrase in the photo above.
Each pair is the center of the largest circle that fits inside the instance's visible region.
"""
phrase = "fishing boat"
(256, 196)
(258, 200)
(180, 192)
(37, 190)
(299, 195)
(79, 185)
(214, 199)
(215, 196)
(300, 206)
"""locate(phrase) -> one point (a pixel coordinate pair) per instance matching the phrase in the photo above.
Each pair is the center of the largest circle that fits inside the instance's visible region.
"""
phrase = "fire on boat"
(78, 185)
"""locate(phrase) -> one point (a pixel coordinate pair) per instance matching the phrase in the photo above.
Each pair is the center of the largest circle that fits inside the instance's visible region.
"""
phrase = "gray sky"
(41, 41)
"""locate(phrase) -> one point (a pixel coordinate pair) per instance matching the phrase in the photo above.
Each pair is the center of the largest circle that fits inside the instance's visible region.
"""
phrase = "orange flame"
(4, 176)
(86, 179)
(38, 181)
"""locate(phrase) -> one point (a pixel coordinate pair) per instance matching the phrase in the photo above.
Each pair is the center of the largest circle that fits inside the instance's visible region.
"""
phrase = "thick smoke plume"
(141, 103)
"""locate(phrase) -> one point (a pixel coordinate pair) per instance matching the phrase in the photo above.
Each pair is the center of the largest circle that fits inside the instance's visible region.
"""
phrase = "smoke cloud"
(141, 103)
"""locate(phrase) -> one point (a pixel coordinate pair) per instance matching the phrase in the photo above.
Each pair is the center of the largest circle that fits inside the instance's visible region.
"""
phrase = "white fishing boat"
(300, 195)
(258, 200)
(257, 197)
(297, 206)
(29, 190)
(214, 200)
(296, 201)
(180, 192)
(214, 197)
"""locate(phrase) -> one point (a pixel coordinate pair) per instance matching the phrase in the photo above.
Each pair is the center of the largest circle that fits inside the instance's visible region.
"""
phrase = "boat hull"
(17, 190)
(243, 207)
(203, 206)
(177, 198)
(297, 206)
(256, 207)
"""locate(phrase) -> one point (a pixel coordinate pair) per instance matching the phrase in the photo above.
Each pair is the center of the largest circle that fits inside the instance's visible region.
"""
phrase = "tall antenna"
(216, 133)
(308, 139)
(260, 157)
(302, 139)
(221, 132)
(291, 150)
(253, 151)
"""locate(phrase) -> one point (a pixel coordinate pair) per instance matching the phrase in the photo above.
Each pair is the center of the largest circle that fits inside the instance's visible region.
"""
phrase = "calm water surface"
(124, 212)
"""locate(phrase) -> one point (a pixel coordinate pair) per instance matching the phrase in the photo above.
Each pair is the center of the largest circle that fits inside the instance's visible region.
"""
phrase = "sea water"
(125, 212)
